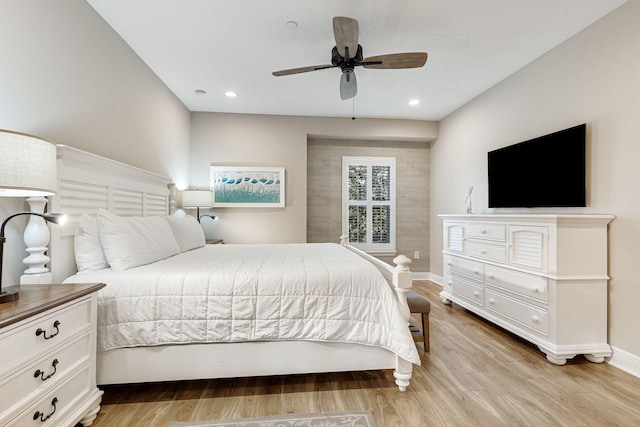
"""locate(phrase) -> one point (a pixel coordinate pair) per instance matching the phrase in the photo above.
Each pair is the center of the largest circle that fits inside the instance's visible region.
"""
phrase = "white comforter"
(231, 293)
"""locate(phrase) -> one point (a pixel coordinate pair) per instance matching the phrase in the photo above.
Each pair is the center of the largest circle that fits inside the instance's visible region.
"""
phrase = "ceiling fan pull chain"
(353, 108)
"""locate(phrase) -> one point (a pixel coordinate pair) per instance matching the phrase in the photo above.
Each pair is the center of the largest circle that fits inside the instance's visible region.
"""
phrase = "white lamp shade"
(197, 199)
(27, 165)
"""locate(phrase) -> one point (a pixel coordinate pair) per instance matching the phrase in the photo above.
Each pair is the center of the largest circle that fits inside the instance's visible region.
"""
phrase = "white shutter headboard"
(87, 182)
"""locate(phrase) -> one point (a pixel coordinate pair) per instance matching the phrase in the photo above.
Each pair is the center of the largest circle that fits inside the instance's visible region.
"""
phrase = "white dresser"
(48, 356)
(542, 277)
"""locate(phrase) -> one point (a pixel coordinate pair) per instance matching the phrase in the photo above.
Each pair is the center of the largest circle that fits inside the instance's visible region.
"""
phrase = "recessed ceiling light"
(414, 102)
(230, 94)
(201, 92)
(292, 25)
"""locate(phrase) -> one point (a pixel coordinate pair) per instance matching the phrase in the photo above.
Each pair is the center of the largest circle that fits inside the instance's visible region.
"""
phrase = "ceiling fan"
(347, 54)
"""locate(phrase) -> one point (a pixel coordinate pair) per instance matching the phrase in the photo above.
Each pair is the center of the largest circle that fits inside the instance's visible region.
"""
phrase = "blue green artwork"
(239, 186)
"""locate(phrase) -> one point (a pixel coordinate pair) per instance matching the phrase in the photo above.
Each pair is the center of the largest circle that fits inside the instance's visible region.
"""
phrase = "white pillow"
(86, 245)
(187, 231)
(132, 241)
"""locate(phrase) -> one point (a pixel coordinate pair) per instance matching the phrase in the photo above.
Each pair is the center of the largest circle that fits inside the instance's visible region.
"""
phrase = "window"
(368, 203)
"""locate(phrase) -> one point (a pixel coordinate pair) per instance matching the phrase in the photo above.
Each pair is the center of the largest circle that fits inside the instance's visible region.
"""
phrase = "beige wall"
(595, 78)
(242, 139)
(324, 192)
(66, 76)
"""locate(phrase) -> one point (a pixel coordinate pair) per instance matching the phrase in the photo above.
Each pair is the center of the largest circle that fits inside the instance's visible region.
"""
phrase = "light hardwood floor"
(475, 375)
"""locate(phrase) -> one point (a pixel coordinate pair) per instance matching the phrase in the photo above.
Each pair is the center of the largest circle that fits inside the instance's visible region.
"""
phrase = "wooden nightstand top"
(214, 241)
(36, 299)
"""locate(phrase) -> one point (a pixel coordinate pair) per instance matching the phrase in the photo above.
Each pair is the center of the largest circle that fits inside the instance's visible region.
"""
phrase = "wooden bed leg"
(402, 373)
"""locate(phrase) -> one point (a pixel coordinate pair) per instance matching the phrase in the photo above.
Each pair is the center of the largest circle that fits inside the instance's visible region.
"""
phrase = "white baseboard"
(626, 361)
(425, 275)
(437, 279)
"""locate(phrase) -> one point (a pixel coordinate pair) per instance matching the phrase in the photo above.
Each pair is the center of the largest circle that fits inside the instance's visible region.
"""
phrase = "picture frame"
(248, 186)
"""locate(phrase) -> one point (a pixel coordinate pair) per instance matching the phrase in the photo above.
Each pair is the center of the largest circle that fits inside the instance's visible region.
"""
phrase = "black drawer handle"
(39, 373)
(40, 415)
(44, 333)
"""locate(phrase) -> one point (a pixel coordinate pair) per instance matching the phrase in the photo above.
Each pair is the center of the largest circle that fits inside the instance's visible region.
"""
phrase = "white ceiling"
(217, 45)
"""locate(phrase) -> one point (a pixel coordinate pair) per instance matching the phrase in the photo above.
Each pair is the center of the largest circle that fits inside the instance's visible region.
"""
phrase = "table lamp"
(197, 199)
(27, 169)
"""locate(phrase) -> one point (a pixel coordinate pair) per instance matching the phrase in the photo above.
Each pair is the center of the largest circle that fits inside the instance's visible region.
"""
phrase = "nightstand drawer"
(45, 372)
(42, 334)
(56, 404)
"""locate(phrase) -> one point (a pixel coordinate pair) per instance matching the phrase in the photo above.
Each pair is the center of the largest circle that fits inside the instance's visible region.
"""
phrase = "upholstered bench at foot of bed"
(419, 304)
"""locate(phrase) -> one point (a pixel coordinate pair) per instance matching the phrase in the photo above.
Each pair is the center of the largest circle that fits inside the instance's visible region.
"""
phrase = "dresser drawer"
(488, 251)
(56, 403)
(42, 334)
(495, 232)
(468, 290)
(45, 372)
(464, 266)
(521, 283)
(534, 318)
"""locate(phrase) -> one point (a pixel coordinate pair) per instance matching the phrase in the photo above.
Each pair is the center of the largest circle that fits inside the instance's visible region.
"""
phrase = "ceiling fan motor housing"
(346, 64)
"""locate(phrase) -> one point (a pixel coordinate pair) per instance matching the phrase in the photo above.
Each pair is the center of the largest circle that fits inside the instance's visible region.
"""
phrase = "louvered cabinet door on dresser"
(48, 356)
(542, 277)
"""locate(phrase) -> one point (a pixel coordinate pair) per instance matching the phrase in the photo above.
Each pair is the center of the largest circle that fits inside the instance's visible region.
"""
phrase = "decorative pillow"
(187, 232)
(132, 241)
(87, 247)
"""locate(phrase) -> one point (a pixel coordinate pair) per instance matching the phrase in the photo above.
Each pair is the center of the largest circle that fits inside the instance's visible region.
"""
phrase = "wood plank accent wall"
(324, 171)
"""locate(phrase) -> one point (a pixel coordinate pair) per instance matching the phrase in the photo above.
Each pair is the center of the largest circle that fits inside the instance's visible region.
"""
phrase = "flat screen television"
(549, 171)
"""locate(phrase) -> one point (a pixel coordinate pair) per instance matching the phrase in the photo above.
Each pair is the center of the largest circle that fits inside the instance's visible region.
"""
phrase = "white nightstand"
(48, 357)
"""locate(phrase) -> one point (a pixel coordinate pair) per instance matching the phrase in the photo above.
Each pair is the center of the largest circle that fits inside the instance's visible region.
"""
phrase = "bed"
(258, 338)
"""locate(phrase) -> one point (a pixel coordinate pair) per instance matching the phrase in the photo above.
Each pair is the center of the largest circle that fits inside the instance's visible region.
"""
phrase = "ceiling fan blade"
(301, 70)
(396, 60)
(345, 31)
(348, 86)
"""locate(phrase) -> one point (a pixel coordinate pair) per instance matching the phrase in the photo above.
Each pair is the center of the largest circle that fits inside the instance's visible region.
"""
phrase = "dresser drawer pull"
(492, 301)
(39, 373)
(534, 319)
(476, 293)
(44, 333)
(40, 415)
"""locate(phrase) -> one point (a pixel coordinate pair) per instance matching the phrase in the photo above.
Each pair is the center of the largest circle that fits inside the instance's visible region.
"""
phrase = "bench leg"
(425, 331)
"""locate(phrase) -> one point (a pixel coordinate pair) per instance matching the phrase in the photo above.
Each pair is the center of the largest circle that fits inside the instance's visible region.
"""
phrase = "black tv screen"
(549, 171)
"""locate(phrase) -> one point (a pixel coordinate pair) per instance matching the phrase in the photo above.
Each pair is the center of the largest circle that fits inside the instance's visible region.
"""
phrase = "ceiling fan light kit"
(347, 54)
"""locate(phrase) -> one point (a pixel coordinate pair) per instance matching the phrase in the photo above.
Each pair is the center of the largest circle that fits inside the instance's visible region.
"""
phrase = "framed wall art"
(248, 186)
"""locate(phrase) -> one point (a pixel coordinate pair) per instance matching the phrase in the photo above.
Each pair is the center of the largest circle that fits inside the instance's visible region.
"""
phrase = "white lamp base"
(36, 279)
